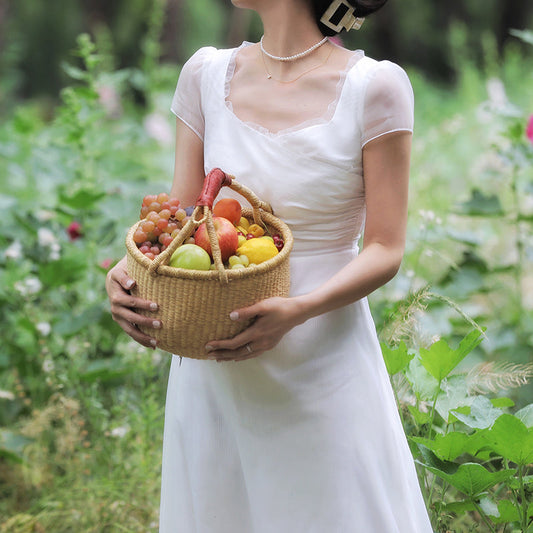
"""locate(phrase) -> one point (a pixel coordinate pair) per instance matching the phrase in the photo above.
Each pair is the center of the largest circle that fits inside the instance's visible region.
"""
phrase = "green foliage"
(474, 457)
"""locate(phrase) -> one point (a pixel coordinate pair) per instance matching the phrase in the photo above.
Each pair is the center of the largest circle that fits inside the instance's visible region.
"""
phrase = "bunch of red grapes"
(162, 219)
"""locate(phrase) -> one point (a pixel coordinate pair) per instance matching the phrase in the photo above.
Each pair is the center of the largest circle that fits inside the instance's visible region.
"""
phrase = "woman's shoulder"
(368, 67)
(378, 77)
(206, 53)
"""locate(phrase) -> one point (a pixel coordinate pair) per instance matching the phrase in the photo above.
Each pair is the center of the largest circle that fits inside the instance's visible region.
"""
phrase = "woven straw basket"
(194, 305)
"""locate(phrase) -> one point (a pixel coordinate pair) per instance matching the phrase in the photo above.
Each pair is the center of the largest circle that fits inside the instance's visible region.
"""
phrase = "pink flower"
(74, 230)
(106, 263)
(529, 129)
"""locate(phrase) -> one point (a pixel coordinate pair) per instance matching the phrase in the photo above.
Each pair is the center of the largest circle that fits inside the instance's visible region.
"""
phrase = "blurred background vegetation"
(36, 37)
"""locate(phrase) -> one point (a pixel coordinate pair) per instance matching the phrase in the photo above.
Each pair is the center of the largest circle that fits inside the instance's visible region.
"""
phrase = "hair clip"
(348, 20)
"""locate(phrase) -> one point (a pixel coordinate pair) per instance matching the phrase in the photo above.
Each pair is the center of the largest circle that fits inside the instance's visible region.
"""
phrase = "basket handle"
(214, 181)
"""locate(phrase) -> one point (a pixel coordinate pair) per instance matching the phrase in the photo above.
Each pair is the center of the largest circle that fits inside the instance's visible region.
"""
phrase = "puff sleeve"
(187, 100)
(388, 104)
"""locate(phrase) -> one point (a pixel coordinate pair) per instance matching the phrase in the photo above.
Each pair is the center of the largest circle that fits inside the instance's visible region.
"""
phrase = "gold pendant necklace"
(269, 76)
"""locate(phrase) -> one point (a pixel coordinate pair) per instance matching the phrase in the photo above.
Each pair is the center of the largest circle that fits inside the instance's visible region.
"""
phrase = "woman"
(302, 434)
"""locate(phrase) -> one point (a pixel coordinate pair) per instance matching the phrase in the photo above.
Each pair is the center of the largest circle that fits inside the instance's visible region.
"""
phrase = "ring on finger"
(249, 348)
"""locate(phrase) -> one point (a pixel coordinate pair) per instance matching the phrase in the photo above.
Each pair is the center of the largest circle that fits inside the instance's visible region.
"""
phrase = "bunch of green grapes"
(162, 219)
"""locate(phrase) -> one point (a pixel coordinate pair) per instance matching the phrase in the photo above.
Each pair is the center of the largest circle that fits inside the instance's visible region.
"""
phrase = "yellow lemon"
(258, 250)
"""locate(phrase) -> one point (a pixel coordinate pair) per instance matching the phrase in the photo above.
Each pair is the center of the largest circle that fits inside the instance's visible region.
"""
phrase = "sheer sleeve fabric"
(388, 105)
(187, 100)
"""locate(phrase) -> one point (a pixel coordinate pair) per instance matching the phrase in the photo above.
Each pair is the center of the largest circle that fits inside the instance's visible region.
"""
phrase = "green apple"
(192, 257)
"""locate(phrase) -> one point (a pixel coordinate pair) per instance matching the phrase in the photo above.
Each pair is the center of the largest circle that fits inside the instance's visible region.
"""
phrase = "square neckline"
(322, 120)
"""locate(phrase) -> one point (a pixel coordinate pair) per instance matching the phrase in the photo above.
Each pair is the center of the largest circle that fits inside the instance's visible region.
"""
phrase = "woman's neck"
(289, 27)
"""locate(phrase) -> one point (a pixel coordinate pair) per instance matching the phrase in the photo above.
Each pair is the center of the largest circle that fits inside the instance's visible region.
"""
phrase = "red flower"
(529, 129)
(106, 263)
(74, 230)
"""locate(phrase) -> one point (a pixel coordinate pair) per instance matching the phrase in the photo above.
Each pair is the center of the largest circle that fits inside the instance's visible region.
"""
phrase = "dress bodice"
(312, 173)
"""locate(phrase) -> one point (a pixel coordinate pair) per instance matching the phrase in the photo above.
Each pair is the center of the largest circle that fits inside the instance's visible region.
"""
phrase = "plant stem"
(523, 506)
(484, 517)
(518, 270)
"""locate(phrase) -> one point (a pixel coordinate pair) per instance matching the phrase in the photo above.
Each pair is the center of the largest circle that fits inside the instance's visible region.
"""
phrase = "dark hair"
(363, 8)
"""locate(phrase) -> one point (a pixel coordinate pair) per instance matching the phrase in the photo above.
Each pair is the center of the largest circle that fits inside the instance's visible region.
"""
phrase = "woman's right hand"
(124, 305)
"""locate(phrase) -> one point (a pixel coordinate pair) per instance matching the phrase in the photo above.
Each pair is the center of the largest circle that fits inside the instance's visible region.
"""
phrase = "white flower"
(46, 237)
(28, 286)
(48, 366)
(6, 395)
(158, 128)
(13, 251)
(120, 431)
(428, 216)
(44, 328)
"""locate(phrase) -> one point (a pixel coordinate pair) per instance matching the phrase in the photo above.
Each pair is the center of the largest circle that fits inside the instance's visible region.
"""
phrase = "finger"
(124, 279)
(125, 299)
(241, 354)
(246, 313)
(136, 334)
(232, 344)
(123, 313)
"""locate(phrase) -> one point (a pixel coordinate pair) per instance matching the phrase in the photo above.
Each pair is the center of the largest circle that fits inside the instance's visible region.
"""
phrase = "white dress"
(305, 438)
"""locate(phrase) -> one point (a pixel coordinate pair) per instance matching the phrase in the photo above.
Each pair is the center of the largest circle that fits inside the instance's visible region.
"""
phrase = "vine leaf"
(439, 360)
(473, 479)
(510, 438)
(482, 414)
(396, 359)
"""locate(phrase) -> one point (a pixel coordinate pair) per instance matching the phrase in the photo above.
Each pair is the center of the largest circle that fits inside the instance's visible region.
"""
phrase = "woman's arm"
(187, 184)
(386, 163)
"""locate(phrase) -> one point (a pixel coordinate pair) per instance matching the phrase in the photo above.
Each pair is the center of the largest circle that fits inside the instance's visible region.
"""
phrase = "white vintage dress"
(305, 438)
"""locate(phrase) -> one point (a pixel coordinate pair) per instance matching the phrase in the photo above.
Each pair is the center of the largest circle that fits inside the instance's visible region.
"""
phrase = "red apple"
(228, 208)
(226, 235)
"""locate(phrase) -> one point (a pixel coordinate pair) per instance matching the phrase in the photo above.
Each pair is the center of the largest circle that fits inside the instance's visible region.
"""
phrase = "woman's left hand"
(273, 318)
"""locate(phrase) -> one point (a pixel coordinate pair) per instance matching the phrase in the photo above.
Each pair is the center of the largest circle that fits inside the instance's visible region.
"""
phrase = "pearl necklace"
(295, 56)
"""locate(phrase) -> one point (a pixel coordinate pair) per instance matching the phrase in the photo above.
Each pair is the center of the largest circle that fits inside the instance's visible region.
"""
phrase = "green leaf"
(459, 508)
(450, 446)
(473, 479)
(69, 324)
(104, 370)
(64, 271)
(439, 360)
(453, 394)
(526, 415)
(511, 439)
(420, 417)
(12, 445)
(482, 414)
(82, 198)
(481, 205)
(507, 512)
(502, 402)
(424, 385)
(396, 359)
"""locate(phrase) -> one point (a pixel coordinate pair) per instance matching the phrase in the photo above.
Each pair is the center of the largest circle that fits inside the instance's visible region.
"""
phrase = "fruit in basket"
(161, 220)
(226, 233)
(258, 250)
(228, 208)
(256, 230)
(191, 257)
(243, 223)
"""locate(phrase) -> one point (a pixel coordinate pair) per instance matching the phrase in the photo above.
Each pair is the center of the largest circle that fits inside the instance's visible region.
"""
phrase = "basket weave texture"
(194, 306)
